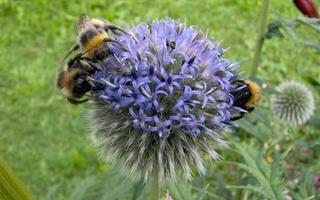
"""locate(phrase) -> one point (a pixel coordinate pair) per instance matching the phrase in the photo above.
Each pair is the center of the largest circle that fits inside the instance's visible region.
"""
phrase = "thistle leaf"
(268, 176)
(82, 188)
(181, 191)
(252, 188)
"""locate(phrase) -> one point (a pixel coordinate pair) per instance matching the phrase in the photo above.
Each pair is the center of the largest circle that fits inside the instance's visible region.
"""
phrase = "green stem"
(11, 188)
(260, 38)
(155, 187)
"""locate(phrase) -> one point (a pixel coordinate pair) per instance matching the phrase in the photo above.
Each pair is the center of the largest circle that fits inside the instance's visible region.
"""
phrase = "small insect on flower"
(93, 37)
(162, 99)
(246, 95)
(293, 103)
(74, 81)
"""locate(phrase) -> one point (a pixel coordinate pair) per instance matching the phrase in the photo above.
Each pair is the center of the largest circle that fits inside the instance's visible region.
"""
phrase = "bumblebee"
(74, 81)
(246, 95)
(93, 36)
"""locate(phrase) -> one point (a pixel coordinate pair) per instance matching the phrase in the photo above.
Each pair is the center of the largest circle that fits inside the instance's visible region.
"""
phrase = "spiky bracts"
(162, 98)
(144, 154)
(293, 103)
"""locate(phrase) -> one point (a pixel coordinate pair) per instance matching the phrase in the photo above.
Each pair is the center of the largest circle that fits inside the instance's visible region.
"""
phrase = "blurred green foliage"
(46, 140)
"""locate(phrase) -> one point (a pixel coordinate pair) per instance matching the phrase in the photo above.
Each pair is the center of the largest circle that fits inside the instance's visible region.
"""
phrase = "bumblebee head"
(73, 83)
(80, 86)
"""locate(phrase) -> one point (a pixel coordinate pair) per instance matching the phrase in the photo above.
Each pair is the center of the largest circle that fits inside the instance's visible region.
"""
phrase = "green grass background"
(44, 138)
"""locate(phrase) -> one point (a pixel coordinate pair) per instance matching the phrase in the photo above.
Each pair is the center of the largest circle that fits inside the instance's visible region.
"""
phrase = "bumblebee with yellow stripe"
(246, 95)
(93, 36)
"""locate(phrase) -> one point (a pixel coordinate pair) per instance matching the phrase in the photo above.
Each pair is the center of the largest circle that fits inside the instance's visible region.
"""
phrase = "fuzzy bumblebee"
(246, 95)
(93, 37)
(93, 42)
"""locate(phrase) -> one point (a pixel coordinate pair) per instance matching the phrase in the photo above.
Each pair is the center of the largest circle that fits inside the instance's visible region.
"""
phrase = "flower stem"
(260, 38)
(12, 188)
(155, 188)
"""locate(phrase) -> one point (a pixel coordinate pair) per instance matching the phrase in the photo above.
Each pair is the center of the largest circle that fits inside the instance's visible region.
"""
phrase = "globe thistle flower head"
(162, 97)
(293, 103)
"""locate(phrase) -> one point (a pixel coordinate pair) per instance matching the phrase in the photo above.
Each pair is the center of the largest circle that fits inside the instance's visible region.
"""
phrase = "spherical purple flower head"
(162, 97)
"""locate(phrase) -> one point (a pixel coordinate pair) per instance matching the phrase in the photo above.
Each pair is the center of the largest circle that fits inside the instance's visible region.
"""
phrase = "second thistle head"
(293, 103)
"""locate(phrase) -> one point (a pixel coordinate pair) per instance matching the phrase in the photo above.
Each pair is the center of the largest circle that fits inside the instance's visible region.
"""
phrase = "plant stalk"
(155, 187)
(12, 188)
(260, 38)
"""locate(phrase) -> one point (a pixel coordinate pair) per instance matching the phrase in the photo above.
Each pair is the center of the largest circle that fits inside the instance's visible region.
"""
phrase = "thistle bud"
(169, 197)
(293, 103)
(317, 182)
(307, 7)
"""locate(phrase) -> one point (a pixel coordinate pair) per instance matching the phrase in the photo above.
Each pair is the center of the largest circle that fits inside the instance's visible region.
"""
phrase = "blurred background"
(46, 140)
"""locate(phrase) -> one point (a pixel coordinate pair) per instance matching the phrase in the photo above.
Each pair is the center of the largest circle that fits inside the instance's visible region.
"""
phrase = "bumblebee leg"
(88, 64)
(250, 109)
(114, 29)
(94, 65)
(75, 47)
(111, 40)
(239, 82)
(78, 56)
(76, 102)
(237, 117)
